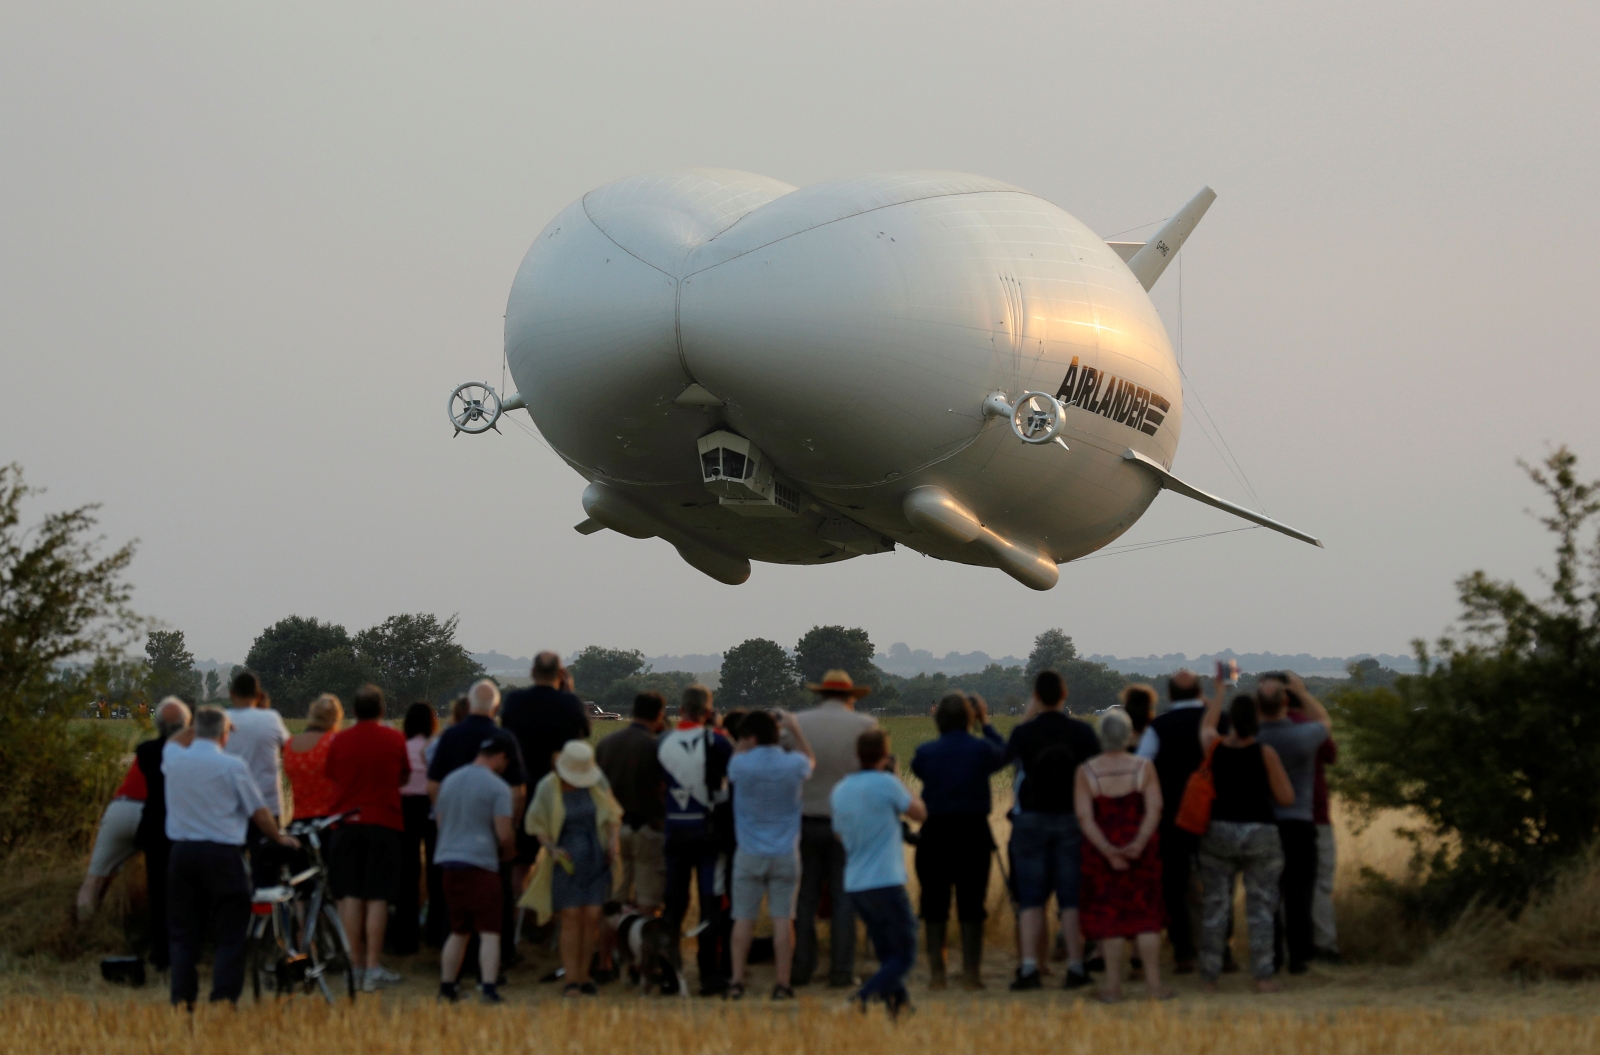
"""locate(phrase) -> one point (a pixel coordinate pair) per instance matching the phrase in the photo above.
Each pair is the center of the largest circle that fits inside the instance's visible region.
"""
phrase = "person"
(832, 728)
(172, 718)
(694, 764)
(1048, 746)
(211, 800)
(1139, 702)
(628, 759)
(543, 717)
(1172, 742)
(368, 764)
(575, 818)
(866, 809)
(1297, 744)
(259, 737)
(416, 813)
(305, 760)
(767, 787)
(457, 746)
(1249, 780)
(955, 845)
(474, 836)
(1118, 802)
(1324, 922)
(114, 841)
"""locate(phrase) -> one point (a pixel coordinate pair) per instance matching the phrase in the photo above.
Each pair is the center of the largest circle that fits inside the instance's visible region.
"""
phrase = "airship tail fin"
(1172, 483)
(1148, 263)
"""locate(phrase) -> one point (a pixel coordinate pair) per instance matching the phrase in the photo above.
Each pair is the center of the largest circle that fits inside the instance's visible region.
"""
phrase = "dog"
(648, 949)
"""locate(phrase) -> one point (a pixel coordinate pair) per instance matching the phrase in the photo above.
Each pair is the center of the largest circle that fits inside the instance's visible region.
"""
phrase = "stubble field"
(1402, 995)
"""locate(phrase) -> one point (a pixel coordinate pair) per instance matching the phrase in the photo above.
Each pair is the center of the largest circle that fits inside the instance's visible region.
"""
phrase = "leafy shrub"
(1495, 745)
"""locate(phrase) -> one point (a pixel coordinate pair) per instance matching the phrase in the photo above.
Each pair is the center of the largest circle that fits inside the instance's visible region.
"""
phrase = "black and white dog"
(647, 947)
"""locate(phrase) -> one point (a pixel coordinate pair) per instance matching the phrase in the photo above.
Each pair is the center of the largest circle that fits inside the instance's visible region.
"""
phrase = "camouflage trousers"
(1228, 848)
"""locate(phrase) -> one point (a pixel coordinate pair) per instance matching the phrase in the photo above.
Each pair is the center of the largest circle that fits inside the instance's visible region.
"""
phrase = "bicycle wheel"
(330, 956)
(261, 957)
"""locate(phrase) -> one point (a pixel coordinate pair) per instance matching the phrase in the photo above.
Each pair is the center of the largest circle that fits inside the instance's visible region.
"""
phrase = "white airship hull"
(851, 332)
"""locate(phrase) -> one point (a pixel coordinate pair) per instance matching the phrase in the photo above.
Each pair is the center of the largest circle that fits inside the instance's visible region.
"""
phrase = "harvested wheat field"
(67, 1027)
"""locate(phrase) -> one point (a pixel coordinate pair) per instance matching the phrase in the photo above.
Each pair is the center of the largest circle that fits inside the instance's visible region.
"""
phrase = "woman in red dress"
(1118, 802)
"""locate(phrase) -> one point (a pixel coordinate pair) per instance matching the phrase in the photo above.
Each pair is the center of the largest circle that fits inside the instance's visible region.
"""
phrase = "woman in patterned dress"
(1118, 802)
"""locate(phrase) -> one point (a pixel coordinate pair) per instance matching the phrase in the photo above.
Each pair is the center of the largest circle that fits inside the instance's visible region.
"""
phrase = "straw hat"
(838, 683)
(575, 764)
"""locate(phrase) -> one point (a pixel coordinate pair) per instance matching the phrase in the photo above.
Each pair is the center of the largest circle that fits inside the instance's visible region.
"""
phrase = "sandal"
(735, 991)
(782, 992)
(571, 989)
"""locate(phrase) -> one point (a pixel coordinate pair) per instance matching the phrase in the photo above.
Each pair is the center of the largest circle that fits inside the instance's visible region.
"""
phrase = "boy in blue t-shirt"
(867, 806)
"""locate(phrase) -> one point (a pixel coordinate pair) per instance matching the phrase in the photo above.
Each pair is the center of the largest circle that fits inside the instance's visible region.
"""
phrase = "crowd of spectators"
(517, 827)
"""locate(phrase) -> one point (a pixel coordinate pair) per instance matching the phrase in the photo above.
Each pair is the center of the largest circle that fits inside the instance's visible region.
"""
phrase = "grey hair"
(485, 697)
(210, 723)
(1116, 728)
(172, 715)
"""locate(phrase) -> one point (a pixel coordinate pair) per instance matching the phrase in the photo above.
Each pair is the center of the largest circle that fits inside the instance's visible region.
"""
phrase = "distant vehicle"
(596, 713)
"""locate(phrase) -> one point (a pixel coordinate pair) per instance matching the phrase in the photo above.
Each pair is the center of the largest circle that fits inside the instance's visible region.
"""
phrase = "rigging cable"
(1134, 547)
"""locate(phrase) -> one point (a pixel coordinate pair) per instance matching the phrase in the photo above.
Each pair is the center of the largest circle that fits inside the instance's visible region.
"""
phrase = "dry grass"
(38, 886)
(72, 1026)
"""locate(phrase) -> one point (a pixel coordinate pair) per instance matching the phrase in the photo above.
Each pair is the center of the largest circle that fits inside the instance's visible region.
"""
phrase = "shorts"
(642, 877)
(113, 843)
(1045, 856)
(473, 897)
(777, 876)
(365, 862)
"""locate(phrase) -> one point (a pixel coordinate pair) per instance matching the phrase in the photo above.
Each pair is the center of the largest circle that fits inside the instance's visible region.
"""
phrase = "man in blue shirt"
(767, 782)
(956, 843)
(866, 815)
(211, 802)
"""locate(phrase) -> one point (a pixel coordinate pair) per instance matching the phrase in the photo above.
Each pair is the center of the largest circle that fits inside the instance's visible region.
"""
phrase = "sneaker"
(1076, 980)
(383, 976)
(448, 993)
(488, 995)
(369, 984)
(1025, 982)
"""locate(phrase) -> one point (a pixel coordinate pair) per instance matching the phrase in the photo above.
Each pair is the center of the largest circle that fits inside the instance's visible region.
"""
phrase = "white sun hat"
(576, 766)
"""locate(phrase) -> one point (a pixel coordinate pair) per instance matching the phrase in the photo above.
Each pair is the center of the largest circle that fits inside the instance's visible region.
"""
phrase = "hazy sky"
(248, 250)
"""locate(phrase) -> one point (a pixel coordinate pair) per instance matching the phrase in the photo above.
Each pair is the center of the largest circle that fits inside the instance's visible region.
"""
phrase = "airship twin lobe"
(754, 371)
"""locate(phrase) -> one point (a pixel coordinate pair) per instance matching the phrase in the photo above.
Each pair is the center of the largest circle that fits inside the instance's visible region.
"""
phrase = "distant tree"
(597, 669)
(1495, 745)
(757, 673)
(171, 666)
(283, 651)
(417, 657)
(1052, 650)
(213, 685)
(1005, 689)
(340, 671)
(65, 626)
(825, 648)
(669, 683)
(1090, 686)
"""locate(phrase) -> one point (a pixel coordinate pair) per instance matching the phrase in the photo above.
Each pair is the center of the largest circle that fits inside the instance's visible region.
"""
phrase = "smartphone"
(1228, 671)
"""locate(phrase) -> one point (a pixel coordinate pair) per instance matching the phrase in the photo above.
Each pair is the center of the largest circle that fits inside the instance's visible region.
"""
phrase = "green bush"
(1496, 744)
(64, 626)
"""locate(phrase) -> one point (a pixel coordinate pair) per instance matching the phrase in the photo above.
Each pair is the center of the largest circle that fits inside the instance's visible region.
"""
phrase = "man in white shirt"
(258, 737)
(211, 803)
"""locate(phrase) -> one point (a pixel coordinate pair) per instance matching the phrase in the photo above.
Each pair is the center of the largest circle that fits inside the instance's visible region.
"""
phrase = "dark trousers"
(1177, 860)
(437, 925)
(208, 889)
(1298, 887)
(954, 853)
(893, 929)
(695, 861)
(405, 931)
(267, 859)
(822, 868)
(155, 878)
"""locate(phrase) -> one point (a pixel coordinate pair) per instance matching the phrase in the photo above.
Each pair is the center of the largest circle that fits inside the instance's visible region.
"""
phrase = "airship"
(751, 371)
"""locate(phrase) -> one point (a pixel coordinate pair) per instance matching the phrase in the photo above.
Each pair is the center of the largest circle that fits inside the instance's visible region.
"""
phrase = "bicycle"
(296, 943)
